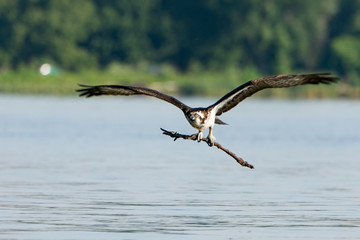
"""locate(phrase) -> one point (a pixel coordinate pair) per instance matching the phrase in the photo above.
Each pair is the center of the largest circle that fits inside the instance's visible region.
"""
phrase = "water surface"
(100, 168)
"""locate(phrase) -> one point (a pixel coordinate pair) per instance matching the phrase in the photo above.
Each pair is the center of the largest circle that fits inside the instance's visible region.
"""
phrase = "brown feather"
(218, 121)
(234, 97)
(89, 91)
(225, 103)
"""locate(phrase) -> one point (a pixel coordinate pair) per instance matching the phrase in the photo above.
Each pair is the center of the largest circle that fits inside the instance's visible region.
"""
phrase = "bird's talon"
(211, 140)
(199, 136)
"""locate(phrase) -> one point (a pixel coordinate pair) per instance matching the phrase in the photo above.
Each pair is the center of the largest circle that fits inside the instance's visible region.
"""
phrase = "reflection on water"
(101, 169)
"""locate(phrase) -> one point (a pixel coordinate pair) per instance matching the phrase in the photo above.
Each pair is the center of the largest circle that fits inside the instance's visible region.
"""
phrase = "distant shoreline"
(211, 84)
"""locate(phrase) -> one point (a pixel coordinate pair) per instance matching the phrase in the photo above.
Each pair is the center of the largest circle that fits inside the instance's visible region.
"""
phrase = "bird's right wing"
(89, 91)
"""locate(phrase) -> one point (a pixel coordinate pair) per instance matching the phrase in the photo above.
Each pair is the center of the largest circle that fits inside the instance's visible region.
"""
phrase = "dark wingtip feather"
(85, 91)
(323, 78)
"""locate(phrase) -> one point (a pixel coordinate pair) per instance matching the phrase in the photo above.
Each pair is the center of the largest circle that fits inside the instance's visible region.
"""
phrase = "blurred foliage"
(164, 78)
(249, 37)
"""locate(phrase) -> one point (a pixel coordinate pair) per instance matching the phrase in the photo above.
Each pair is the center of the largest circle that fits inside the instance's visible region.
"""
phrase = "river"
(99, 168)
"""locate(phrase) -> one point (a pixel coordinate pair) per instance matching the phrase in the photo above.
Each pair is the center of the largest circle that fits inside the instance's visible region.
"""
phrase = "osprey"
(202, 118)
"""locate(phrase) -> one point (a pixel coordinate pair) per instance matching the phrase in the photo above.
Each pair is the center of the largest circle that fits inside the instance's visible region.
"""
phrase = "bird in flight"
(202, 118)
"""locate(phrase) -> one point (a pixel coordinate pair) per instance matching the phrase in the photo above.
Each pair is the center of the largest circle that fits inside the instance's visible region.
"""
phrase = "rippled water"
(100, 168)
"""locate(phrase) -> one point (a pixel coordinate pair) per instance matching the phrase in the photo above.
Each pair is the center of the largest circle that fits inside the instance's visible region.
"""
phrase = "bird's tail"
(218, 121)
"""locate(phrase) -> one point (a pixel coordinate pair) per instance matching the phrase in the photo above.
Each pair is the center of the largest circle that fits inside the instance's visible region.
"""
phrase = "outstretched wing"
(231, 99)
(89, 91)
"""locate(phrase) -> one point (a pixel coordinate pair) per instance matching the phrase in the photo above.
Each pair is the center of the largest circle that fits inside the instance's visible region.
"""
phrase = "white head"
(196, 119)
(196, 116)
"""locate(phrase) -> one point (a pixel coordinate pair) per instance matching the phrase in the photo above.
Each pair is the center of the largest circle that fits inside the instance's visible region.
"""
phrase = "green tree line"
(268, 36)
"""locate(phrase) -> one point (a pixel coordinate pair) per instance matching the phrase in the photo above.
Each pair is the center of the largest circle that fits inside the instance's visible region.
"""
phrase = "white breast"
(211, 120)
(208, 122)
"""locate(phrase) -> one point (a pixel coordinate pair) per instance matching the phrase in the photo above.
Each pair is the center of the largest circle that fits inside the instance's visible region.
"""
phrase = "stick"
(193, 137)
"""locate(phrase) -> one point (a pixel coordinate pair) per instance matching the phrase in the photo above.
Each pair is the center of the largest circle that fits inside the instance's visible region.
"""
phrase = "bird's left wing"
(89, 91)
(231, 99)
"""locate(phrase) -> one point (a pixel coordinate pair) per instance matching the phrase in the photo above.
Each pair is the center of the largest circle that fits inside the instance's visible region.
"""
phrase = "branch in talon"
(176, 135)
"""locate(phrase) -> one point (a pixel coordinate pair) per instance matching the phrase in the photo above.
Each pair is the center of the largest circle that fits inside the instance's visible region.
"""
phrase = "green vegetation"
(204, 47)
(165, 78)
